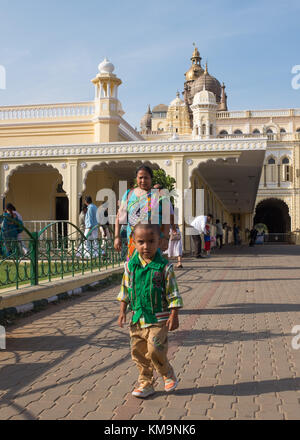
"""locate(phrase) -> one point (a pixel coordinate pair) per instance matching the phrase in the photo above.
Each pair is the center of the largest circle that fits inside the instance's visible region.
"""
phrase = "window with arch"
(256, 131)
(211, 129)
(271, 173)
(269, 131)
(282, 130)
(237, 132)
(203, 129)
(223, 133)
(298, 130)
(286, 170)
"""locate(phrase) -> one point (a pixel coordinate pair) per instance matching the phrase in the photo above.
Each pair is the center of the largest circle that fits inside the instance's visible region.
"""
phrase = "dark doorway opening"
(274, 213)
(62, 213)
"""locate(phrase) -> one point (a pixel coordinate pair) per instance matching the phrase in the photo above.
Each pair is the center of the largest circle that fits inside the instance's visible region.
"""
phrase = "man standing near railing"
(90, 222)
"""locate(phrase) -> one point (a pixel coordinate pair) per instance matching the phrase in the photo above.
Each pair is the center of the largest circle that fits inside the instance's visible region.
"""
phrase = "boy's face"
(146, 242)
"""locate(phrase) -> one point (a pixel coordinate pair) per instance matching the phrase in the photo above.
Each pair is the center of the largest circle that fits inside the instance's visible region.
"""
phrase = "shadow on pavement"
(244, 308)
(254, 388)
(191, 338)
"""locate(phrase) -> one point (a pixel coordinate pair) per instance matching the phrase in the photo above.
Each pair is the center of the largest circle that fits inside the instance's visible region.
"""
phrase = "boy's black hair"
(88, 199)
(145, 168)
(154, 228)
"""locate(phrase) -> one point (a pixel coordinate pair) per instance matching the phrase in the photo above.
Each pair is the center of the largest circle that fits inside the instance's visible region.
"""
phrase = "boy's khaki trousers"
(149, 347)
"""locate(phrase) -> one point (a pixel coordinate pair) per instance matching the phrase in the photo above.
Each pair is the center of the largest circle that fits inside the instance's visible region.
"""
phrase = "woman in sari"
(10, 228)
(140, 205)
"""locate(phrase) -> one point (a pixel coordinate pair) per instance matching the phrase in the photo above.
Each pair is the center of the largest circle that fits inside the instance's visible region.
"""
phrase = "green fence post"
(34, 262)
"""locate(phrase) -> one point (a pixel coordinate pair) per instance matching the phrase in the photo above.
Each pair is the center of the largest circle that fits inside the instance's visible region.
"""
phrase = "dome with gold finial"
(211, 84)
(195, 70)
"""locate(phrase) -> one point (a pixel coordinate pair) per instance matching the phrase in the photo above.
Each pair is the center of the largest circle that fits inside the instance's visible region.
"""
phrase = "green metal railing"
(37, 259)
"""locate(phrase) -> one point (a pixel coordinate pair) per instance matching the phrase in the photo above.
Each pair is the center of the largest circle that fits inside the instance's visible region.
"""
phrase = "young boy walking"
(149, 288)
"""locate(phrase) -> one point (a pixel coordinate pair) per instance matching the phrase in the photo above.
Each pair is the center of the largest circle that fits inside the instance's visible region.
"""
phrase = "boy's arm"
(173, 297)
(122, 314)
(123, 297)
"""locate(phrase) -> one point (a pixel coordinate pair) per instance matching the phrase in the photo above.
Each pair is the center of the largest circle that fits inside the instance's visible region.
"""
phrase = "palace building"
(202, 114)
(52, 155)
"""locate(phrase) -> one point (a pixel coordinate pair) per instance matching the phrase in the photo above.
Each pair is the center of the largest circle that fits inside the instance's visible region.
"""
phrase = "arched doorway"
(109, 175)
(274, 213)
(33, 188)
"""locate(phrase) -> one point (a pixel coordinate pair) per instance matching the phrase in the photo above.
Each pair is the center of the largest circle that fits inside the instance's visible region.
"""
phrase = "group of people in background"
(212, 234)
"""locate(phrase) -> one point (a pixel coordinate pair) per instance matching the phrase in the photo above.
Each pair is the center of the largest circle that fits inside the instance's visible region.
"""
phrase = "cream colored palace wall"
(47, 135)
(34, 194)
(159, 123)
(99, 179)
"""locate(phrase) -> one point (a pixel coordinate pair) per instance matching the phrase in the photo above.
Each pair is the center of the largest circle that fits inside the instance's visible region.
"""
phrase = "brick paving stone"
(232, 353)
(24, 400)
(221, 414)
(172, 413)
(39, 406)
(270, 415)
(8, 412)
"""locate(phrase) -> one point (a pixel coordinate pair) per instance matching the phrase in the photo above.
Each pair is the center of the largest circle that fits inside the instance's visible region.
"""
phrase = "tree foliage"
(160, 177)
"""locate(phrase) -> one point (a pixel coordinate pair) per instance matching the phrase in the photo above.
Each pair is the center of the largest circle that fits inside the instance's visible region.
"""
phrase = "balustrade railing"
(258, 113)
(80, 110)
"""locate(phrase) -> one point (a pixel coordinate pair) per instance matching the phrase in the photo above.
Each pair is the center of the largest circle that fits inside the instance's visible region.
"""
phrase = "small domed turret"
(106, 66)
(177, 101)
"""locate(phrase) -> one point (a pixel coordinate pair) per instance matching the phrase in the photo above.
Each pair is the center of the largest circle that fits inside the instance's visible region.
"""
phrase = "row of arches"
(255, 131)
(202, 130)
(272, 160)
(277, 170)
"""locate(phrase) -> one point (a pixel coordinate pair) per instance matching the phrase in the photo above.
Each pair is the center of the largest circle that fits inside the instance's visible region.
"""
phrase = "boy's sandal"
(143, 391)
(170, 384)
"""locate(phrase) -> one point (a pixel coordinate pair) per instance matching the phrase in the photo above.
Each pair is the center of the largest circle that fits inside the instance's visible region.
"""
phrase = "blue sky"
(51, 49)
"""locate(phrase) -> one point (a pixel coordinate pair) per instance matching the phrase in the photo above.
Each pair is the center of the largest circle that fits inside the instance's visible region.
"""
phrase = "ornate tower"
(204, 110)
(190, 76)
(178, 120)
(223, 102)
(146, 121)
(108, 109)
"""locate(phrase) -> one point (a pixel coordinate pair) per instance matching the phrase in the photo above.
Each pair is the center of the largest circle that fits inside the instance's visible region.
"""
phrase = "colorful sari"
(144, 209)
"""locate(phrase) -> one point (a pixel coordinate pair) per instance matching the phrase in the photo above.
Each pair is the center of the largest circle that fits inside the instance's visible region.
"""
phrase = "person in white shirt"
(199, 226)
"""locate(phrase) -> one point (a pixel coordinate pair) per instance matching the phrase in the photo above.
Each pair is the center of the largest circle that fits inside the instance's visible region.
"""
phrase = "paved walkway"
(232, 354)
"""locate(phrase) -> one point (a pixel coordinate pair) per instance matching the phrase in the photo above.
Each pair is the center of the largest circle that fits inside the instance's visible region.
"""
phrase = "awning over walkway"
(235, 181)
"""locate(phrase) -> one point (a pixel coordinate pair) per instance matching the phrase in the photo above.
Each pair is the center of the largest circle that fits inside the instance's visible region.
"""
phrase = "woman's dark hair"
(10, 206)
(145, 168)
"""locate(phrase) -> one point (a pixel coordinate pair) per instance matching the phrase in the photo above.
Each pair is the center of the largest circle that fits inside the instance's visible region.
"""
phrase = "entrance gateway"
(274, 213)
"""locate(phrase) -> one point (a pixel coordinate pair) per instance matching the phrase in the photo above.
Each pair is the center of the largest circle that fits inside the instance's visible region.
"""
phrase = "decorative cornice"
(134, 148)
